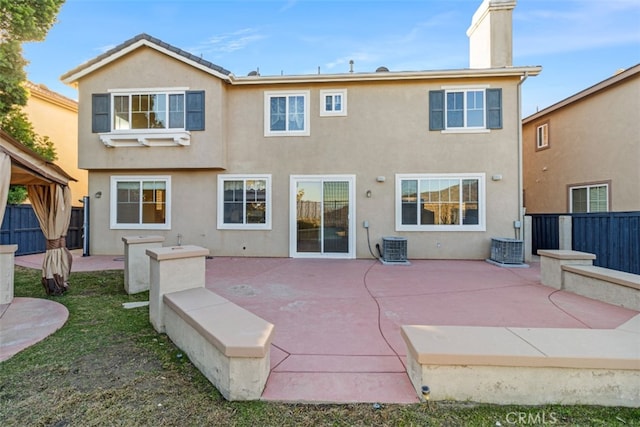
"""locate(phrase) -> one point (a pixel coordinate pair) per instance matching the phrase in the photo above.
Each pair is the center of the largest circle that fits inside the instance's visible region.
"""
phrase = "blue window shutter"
(494, 108)
(100, 112)
(194, 108)
(436, 110)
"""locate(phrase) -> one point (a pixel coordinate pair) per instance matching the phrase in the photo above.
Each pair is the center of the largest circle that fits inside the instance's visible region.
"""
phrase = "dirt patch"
(114, 366)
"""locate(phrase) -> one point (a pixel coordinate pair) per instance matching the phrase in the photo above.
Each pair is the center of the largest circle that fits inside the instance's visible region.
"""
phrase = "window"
(148, 111)
(244, 202)
(589, 198)
(141, 111)
(542, 136)
(140, 202)
(465, 109)
(333, 102)
(286, 113)
(440, 202)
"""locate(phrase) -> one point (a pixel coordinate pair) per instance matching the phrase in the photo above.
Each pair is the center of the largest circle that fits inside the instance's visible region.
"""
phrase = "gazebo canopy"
(28, 167)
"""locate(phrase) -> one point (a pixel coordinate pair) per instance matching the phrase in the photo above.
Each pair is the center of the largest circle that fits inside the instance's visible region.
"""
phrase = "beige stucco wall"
(385, 133)
(593, 140)
(55, 116)
(206, 149)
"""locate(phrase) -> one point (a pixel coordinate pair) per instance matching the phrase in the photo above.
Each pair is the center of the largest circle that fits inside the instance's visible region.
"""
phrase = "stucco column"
(565, 232)
(172, 269)
(136, 261)
(7, 258)
(528, 243)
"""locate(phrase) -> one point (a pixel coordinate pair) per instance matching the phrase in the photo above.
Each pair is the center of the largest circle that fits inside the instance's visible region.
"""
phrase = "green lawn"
(108, 367)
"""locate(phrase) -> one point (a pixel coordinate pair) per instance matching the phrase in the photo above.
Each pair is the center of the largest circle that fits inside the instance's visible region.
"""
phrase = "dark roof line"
(156, 41)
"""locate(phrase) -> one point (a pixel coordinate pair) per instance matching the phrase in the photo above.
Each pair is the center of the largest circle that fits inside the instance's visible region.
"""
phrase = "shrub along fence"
(20, 226)
(613, 236)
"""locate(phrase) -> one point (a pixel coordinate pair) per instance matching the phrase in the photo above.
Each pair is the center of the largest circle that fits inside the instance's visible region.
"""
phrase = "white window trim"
(465, 88)
(545, 143)
(145, 137)
(220, 209)
(481, 226)
(267, 113)
(588, 186)
(324, 112)
(113, 202)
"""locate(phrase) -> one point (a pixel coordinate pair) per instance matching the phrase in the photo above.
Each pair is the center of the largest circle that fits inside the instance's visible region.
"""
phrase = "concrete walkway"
(337, 322)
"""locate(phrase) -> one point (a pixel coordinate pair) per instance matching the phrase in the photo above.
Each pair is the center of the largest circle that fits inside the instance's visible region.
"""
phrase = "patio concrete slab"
(337, 322)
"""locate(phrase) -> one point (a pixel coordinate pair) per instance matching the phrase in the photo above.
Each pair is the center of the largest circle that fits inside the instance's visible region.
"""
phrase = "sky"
(577, 42)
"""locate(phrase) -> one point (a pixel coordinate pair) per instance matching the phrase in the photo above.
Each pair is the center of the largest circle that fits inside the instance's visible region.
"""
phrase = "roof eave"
(388, 75)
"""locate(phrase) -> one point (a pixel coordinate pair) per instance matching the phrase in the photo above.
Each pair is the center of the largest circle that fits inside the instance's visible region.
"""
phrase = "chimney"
(490, 35)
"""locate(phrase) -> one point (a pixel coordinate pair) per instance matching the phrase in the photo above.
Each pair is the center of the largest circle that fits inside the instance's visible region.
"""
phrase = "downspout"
(521, 208)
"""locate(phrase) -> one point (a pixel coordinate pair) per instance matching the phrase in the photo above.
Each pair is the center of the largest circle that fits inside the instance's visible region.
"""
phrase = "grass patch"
(108, 367)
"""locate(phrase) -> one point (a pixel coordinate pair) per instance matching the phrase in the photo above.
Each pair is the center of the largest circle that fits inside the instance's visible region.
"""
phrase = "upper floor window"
(148, 111)
(461, 109)
(440, 202)
(286, 113)
(140, 202)
(542, 136)
(333, 102)
(244, 202)
(589, 198)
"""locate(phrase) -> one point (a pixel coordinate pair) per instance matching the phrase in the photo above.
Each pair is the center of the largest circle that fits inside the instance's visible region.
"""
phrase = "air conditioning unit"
(394, 250)
(507, 251)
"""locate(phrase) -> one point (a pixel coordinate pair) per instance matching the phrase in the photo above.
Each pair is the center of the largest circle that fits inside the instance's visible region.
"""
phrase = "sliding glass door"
(321, 216)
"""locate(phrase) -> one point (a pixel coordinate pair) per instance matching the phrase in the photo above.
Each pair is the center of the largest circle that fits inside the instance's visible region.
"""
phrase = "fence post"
(528, 248)
(564, 232)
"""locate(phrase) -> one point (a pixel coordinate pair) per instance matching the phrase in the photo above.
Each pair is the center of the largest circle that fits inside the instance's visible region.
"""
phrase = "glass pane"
(277, 113)
(233, 202)
(409, 202)
(579, 200)
(157, 111)
(338, 102)
(296, 113)
(176, 111)
(336, 216)
(256, 201)
(475, 109)
(455, 109)
(470, 202)
(308, 216)
(328, 103)
(153, 202)
(598, 199)
(128, 202)
(121, 112)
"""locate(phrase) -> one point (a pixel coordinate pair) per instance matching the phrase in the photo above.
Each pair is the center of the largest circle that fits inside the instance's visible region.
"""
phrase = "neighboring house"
(56, 117)
(583, 153)
(298, 165)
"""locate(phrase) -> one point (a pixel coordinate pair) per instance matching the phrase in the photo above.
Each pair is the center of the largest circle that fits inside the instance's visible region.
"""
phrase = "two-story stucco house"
(321, 165)
(582, 154)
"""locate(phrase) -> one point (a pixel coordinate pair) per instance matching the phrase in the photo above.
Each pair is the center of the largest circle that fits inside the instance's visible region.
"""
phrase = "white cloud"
(228, 42)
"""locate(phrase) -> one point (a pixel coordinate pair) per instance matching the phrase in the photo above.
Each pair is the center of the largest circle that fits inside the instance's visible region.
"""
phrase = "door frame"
(293, 235)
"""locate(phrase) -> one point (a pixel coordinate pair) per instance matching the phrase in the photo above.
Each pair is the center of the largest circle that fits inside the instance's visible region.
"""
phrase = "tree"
(22, 21)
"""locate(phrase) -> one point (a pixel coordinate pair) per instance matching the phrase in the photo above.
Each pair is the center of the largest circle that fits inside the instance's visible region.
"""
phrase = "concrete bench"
(611, 286)
(227, 343)
(532, 366)
(551, 262)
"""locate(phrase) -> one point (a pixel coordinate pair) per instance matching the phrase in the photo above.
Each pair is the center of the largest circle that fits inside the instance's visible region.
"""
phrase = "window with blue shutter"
(436, 110)
(101, 112)
(194, 110)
